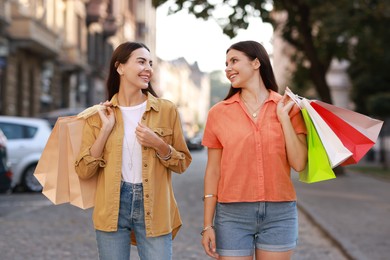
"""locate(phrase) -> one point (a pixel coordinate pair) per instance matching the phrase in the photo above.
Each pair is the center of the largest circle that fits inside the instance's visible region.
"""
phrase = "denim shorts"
(242, 227)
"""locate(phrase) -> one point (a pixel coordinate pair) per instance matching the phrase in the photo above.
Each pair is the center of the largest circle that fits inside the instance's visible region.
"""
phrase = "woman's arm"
(108, 121)
(211, 180)
(90, 158)
(295, 143)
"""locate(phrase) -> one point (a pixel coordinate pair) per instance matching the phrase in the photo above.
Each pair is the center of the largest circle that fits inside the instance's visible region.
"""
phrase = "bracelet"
(167, 157)
(209, 196)
(205, 229)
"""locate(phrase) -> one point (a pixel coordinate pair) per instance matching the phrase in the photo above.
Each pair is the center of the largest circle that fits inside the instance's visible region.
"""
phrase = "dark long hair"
(121, 55)
(255, 50)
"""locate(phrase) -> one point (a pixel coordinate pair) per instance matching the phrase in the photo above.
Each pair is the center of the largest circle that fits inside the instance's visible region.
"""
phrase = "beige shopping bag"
(51, 170)
(81, 192)
(55, 170)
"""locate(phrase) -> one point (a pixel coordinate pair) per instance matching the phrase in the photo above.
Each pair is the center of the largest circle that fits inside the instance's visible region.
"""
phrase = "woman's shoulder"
(275, 95)
(219, 108)
(165, 103)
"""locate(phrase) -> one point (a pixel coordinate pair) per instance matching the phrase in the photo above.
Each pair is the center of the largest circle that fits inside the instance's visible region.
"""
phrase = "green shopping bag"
(318, 167)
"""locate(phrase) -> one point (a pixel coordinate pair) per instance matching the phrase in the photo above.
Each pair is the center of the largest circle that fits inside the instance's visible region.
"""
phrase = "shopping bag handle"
(91, 111)
(297, 99)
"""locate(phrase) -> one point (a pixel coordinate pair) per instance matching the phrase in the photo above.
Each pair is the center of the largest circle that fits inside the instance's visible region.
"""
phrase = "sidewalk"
(353, 209)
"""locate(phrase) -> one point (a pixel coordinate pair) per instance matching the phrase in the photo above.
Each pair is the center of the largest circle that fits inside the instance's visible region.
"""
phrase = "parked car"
(26, 139)
(5, 169)
(194, 142)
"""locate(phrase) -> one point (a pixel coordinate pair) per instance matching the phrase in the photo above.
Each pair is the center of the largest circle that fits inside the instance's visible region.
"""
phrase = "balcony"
(27, 33)
(96, 10)
(5, 16)
(109, 26)
(73, 59)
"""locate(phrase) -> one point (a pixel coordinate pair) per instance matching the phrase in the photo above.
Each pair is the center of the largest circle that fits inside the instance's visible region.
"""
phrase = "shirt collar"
(273, 96)
(151, 102)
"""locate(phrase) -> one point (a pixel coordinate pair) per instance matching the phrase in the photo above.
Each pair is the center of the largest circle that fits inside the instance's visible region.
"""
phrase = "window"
(16, 131)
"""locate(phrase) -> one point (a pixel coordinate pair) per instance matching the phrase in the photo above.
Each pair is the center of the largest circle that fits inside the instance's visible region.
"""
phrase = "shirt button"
(145, 148)
(146, 180)
(145, 165)
(144, 117)
(147, 195)
(148, 213)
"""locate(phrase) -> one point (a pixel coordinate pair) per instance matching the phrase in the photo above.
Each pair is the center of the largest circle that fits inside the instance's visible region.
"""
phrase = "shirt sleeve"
(86, 165)
(210, 138)
(297, 120)
(181, 156)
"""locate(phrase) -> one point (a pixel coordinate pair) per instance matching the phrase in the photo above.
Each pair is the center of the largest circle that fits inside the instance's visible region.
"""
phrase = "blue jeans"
(116, 245)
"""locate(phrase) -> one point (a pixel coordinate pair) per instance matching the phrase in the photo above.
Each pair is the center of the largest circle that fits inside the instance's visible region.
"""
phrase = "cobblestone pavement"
(32, 228)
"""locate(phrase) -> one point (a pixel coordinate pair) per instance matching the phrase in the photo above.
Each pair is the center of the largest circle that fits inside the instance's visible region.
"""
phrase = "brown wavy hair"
(121, 55)
(255, 50)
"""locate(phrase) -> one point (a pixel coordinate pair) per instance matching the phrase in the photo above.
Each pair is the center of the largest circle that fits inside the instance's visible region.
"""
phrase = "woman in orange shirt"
(254, 137)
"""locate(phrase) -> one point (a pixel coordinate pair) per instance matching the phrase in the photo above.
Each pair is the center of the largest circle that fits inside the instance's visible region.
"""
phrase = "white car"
(27, 138)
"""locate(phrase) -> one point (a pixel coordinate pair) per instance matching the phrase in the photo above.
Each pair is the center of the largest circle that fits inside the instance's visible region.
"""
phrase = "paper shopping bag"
(355, 141)
(56, 170)
(318, 167)
(368, 126)
(81, 192)
(336, 151)
(52, 167)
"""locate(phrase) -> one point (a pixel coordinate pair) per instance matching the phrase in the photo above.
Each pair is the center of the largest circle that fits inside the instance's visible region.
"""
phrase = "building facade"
(188, 88)
(55, 53)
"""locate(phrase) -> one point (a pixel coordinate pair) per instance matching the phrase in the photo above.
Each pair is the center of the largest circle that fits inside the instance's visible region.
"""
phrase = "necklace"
(254, 111)
(130, 163)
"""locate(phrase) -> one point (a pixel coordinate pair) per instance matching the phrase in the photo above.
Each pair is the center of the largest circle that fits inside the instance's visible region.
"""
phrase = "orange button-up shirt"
(161, 212)
(254, 165)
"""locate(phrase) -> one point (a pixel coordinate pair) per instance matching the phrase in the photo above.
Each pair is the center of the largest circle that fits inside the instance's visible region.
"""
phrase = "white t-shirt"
(131, 152)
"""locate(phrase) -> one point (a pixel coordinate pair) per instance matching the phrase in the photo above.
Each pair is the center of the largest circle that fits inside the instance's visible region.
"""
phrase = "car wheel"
(30, 183)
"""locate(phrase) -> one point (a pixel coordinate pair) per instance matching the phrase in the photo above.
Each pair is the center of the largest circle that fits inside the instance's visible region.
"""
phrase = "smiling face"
(239, 68)
(137, 71)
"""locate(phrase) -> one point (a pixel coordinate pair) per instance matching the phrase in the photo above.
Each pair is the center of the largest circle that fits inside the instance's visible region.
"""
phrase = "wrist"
(209, 227)
(167, 155)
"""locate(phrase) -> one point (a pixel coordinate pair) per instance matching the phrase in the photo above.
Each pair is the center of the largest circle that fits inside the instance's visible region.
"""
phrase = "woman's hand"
(208, 243)
(283, 108)
(107, 117)
(147, 137)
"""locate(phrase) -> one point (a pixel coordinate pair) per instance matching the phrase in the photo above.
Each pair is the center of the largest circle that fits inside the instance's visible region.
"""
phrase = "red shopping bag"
(368, 126)
(357, 132)
(355, 141)
(337, 152)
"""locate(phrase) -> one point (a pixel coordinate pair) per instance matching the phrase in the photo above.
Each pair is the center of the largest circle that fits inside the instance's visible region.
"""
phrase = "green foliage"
(319, 30)
(370, 59)
(379, 104)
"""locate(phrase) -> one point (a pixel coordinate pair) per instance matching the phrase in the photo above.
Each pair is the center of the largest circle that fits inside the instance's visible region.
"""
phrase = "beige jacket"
(161, 211)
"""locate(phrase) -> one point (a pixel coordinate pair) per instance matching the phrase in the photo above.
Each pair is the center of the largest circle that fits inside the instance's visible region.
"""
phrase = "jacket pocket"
(165, 133)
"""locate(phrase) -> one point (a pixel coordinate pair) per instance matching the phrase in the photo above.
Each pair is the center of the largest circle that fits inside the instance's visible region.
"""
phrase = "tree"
(303, 29)
(319, 30)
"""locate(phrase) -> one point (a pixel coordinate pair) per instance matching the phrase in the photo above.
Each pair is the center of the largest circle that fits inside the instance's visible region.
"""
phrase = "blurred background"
(54, 56)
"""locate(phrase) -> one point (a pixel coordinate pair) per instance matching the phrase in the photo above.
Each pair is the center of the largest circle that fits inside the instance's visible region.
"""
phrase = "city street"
(32, 228)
